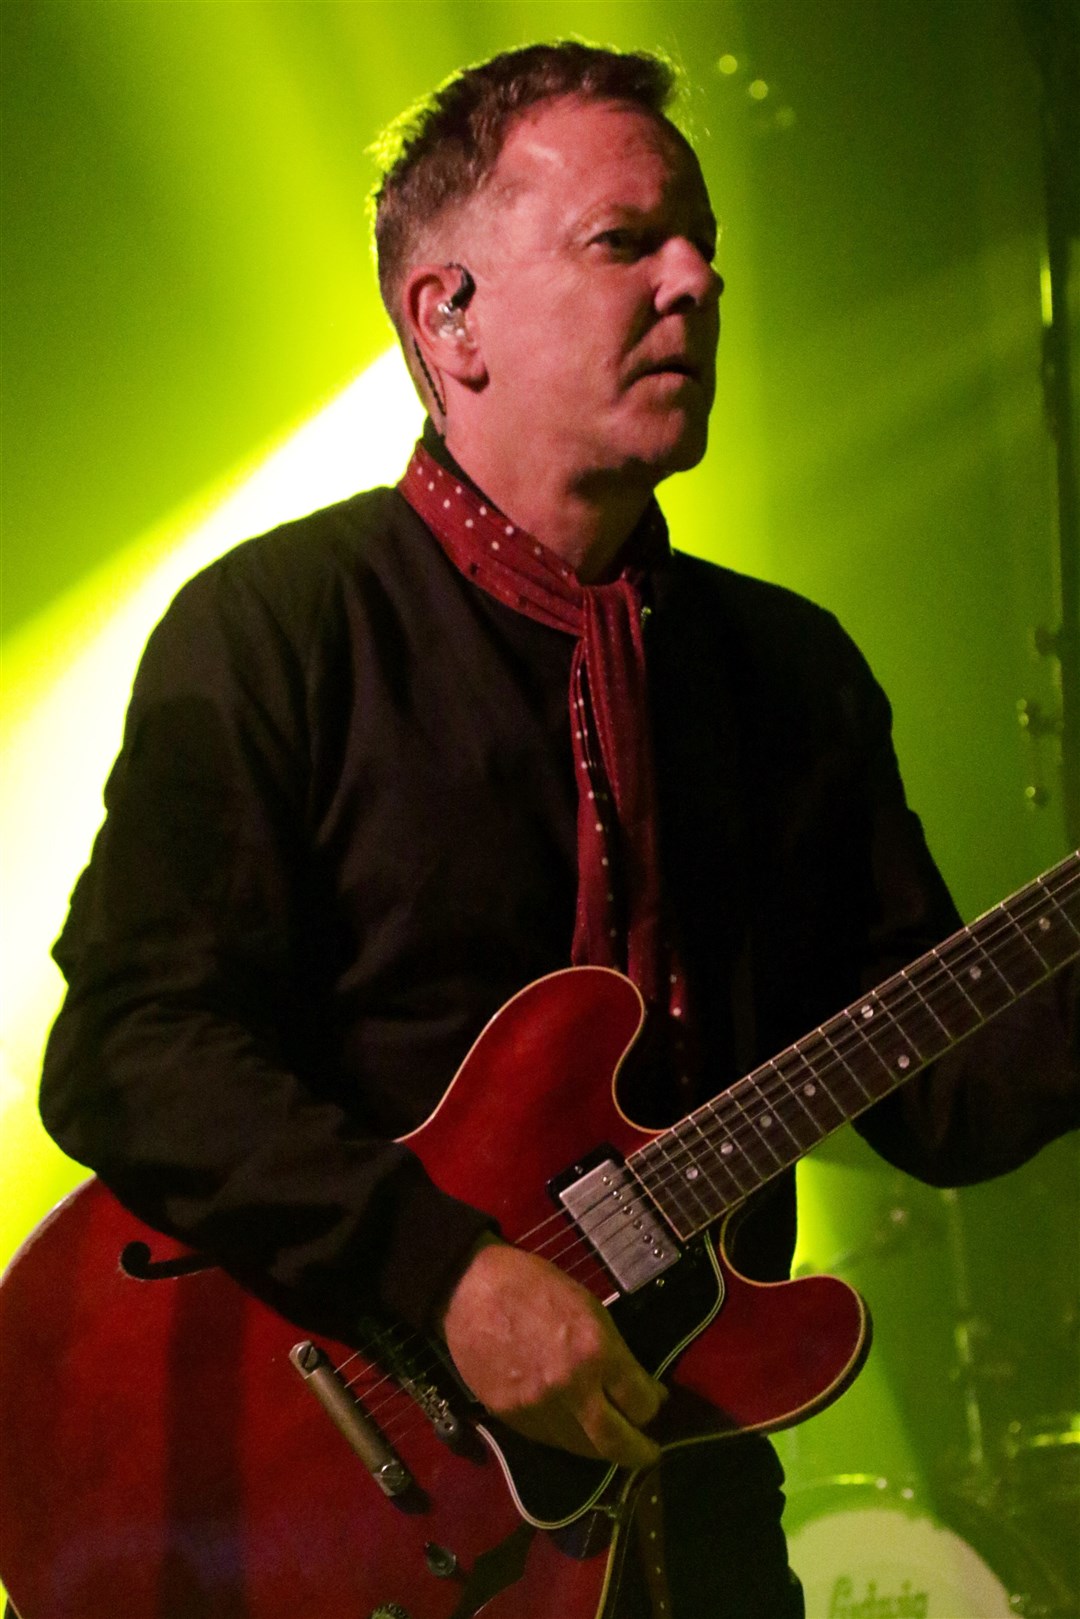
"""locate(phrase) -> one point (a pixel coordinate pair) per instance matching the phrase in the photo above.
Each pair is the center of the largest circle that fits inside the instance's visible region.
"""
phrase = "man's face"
(597, 304)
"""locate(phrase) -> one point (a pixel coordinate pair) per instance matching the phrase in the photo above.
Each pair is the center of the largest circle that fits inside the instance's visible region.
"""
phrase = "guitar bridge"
(350, 1419)
(616, 1218)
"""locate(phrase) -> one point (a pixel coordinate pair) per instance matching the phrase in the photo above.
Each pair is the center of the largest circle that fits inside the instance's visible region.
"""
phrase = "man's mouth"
(675, 365)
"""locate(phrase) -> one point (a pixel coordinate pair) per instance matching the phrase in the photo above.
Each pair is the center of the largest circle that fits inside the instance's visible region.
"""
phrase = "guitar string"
(726, 1122)
(411, 1415)
(971, 944)
(979, 942)
(769, 1081)
(575, 1240)
(580, 1244)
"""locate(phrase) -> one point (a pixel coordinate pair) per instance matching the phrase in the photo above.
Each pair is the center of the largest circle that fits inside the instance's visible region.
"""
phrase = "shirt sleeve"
(173, 1069)
(1009, 1088)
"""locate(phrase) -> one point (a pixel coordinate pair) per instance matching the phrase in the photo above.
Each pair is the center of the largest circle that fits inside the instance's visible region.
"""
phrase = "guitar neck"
(711, 1161)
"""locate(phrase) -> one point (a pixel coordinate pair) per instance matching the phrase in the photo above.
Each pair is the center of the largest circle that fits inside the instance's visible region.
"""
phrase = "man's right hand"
(543, 1354)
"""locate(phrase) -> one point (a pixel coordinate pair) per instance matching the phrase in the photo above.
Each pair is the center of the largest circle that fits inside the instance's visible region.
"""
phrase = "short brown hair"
(443, 149)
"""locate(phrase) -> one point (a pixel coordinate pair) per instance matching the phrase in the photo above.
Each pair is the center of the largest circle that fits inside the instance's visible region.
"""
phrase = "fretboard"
(712, 1160)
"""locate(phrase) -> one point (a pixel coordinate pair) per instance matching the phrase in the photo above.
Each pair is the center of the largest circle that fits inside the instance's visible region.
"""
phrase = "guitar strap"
(649, 1524)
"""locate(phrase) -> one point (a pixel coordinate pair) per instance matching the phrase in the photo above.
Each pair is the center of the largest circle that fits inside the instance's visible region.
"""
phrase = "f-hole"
(137, 1262)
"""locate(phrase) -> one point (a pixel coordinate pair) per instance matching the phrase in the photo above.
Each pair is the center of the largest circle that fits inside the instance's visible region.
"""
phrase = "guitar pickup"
(616, 1218)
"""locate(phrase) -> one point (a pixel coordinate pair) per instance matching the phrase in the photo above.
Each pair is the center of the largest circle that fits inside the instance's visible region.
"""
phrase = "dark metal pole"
(1052, 28)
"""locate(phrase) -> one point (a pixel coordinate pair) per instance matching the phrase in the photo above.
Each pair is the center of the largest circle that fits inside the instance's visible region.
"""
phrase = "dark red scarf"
(619, 912)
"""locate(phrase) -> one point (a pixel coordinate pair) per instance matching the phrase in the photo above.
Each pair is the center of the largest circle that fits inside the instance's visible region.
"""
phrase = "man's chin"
(656, 449)
(679, 451)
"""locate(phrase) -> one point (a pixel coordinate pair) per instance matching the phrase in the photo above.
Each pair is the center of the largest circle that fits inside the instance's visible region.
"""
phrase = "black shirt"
(341, 832)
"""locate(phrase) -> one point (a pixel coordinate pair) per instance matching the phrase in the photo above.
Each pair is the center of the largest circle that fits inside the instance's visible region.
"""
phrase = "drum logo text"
(907, 1604)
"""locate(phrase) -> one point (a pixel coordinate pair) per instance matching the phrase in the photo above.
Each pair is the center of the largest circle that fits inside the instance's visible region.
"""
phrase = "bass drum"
(864, 1550)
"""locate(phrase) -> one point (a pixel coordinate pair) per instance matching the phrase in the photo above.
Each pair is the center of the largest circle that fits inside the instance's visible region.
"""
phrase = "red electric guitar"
(172, 1449)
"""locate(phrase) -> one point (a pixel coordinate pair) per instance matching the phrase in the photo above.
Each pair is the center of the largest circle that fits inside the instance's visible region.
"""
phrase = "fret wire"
(720, 1163)
(1074, 927)
(967, 943)
(794, 1118)
(755, 1135)
(795, 1093)
(833, 1062)
(1059, 945)
(689, 1175)
(807, 1090)
(909, 979)
(1050, 902)
(833, 1057)
(845, 1090)
(950, 981)
(888, 1026)
(1021, 968)
(673, 1187)
(978, 926)
(682, 1153)
(977, 961)
(1055, 903)
(958, 984)
(837, 1051)
(1044, 965)
(894, 1024)
(999, 937)
(676, 1183)
(852, 1026)
(771, 1114)
(723, 1152)
(905, 1059)
(727, 1163)
(735, 1154)
(1019, 937)
(731, 1148)
(724, 1145)
(838, 1062)
(1057, 934)
(978, 941)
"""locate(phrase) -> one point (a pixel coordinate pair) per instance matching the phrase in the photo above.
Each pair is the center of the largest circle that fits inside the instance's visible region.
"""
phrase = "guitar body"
(161, 1457)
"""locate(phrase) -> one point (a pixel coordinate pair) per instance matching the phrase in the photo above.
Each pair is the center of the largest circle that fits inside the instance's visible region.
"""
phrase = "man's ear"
(445, 336)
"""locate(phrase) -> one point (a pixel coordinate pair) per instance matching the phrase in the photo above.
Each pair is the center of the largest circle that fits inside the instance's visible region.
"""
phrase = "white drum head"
(882, 1562)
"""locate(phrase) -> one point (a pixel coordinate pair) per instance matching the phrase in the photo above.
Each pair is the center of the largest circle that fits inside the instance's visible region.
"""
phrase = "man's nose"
(688, 278)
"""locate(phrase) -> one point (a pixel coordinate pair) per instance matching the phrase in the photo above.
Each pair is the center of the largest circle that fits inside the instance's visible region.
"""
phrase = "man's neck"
(585, 521)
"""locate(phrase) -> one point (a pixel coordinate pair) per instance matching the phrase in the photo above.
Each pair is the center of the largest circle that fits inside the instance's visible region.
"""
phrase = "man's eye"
(632, 244)
(624, 242)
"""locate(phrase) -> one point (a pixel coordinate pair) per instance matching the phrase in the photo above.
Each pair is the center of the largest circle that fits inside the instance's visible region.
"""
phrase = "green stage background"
(187, 282)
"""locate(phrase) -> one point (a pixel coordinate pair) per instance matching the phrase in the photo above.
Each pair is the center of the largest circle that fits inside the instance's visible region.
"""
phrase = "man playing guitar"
(391, 764)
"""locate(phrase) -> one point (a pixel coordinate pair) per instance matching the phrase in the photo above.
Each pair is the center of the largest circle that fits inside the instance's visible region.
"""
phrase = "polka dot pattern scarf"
(618, 919)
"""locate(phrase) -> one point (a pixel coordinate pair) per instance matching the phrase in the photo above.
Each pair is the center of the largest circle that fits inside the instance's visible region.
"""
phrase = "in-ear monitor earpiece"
(451, 308)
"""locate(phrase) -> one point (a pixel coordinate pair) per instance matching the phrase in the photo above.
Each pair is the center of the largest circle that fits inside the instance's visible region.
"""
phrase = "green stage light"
(67, 676)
